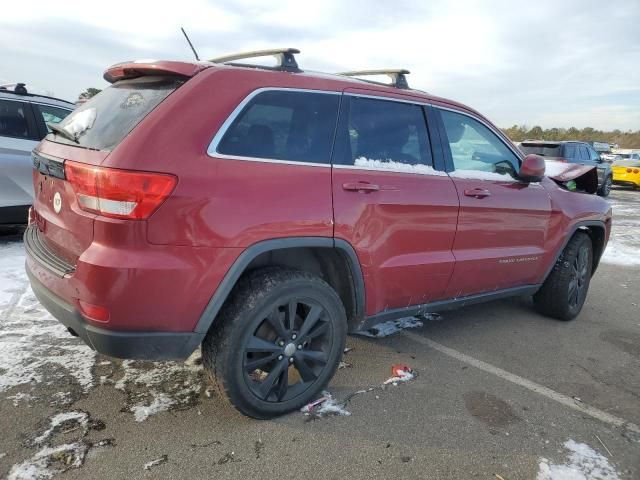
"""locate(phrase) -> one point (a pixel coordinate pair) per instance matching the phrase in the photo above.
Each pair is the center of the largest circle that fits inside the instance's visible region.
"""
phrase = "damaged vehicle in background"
(290, 208)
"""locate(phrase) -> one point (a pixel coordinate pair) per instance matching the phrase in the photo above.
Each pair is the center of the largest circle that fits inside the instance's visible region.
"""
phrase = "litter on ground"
(327, 404)
(156, 462)
(399, 373)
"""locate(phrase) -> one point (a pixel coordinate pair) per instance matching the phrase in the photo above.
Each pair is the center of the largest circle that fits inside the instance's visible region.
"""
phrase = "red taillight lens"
(629, 170)
(635, 170)
(118, 193)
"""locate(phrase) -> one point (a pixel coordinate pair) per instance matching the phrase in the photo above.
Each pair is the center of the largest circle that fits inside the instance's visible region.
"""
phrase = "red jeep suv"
(264, 213)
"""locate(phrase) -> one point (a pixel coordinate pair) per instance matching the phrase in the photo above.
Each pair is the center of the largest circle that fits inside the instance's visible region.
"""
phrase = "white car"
(23, 123)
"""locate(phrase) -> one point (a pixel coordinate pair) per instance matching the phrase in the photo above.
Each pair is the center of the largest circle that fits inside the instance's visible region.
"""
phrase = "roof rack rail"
(397, 76)
(18, 88)
(286, 60)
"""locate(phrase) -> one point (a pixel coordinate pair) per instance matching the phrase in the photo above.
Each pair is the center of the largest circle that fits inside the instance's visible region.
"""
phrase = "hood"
(585, 177)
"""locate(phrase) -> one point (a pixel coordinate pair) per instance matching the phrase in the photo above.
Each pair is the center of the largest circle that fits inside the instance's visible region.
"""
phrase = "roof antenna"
(190, 44)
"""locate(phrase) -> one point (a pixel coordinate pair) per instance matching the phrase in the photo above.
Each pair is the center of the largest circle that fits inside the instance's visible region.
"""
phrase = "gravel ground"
(500, 392)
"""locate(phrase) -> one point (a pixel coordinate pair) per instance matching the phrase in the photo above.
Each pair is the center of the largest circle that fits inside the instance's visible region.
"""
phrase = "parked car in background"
(23, 123)
(291, 207)
(573, 152)
(626, 169)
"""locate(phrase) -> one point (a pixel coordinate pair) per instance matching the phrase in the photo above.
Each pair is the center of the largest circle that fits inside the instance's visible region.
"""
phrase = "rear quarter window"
(103, 121)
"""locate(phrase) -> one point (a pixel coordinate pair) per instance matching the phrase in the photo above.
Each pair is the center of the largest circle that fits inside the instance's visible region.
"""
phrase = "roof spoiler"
(140, 68)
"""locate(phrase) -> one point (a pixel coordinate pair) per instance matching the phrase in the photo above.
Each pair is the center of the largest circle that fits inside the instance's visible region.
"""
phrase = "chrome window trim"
(270, 160)
(519, 155)
(212, 149)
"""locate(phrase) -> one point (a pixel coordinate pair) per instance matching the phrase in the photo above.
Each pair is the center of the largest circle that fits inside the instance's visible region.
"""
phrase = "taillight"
(629, 170)
(118, 193)
(635, 170)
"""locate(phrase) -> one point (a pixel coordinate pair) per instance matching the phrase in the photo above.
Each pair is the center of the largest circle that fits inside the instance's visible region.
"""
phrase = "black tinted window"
(107, 118)
(284, 125)
(13, 119)
(386, 134)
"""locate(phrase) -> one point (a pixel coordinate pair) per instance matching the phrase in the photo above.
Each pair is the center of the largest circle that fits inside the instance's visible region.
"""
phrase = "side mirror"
(532, 168)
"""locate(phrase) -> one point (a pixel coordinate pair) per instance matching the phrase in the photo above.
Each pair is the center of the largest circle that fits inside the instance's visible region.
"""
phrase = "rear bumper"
(119, 344)
(627, 183)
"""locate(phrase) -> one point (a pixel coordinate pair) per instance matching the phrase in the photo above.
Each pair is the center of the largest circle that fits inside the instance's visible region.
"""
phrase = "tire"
(563, 293)
(260, 363)
(605, 189)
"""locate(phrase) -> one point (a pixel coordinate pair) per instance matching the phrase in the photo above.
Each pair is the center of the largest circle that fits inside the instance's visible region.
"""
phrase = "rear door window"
(386, 135)
(284, 125)
(103, 121)
(584, 153)
(570, 152)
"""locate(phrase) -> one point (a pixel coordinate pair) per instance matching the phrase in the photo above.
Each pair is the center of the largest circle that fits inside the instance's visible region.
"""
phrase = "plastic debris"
(344, 365)
(325, 406)
(156, 462)
(391, 327)
(400, 373)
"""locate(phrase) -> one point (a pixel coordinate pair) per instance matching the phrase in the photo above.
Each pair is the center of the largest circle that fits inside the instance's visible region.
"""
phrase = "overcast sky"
(535, 62)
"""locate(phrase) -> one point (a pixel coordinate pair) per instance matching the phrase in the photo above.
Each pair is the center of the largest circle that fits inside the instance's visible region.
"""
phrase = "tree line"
(628, 139)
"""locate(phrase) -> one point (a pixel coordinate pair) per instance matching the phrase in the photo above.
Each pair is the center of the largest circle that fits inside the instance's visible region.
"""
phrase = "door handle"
(360, 187)
(477, 193)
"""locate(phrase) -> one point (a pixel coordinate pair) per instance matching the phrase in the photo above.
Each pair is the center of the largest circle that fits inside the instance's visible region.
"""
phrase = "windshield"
(103, 121)
(544, 150)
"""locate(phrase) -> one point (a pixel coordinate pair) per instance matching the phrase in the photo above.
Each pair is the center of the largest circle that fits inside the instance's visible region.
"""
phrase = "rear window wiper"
(62, 132)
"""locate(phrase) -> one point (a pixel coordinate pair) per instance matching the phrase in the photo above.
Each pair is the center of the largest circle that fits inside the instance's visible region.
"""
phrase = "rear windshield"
(627, 163)
(543, 150)
(107, 118)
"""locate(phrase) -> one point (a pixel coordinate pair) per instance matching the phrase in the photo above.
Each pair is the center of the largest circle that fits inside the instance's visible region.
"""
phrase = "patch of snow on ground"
(49, 462)
(154, 387)
(390, 165)
(161, 403)
(624, 243)
(81, 418)
(20, 397)
(583, 463)
(34, 345)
